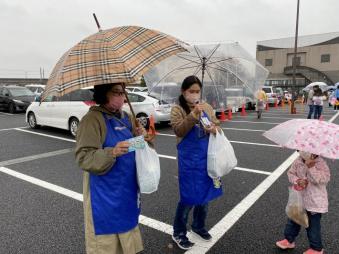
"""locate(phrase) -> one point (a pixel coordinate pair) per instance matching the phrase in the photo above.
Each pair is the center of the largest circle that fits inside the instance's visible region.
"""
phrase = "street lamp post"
(294, 61)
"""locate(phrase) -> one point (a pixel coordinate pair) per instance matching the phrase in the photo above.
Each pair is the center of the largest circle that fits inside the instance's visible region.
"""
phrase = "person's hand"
(310, 163)
(121, 148)
(198, 109)
(211, 129)
(140, 131)
(302, 183)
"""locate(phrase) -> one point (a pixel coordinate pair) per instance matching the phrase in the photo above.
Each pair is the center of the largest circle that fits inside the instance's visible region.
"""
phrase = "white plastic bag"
(295, 208)
(220, 157)
(148, 169)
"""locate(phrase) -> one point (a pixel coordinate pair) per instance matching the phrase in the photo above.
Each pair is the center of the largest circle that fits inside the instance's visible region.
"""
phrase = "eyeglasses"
(116, 93)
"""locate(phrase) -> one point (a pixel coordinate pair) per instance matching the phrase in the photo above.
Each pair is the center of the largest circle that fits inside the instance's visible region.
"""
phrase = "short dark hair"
(100, 92)
(186, 84)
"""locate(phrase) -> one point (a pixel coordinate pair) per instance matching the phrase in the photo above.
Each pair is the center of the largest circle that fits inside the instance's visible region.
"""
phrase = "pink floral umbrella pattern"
(313, 136)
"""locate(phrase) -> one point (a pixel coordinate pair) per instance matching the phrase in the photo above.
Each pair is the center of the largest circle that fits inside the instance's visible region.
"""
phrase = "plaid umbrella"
(118, 55)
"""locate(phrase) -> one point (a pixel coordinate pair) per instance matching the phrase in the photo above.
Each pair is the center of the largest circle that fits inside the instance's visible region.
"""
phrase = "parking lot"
(41, 188)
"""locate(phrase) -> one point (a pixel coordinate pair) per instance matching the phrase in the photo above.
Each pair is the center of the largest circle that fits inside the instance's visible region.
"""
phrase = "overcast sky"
(35, 33)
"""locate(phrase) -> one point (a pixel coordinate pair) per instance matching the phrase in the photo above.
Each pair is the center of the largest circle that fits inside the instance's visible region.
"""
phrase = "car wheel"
(143, 120)
(32, 121)
(73, 126)
(11, 108)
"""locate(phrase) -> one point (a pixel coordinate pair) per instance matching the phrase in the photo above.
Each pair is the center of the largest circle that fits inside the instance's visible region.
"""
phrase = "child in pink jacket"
(310, 174)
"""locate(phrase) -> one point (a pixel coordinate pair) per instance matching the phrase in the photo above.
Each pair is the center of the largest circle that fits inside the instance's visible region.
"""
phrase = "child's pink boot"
(311, 251)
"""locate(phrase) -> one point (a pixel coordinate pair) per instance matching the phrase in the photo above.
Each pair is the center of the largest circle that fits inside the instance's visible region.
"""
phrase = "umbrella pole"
(97, 22)
(149, 137)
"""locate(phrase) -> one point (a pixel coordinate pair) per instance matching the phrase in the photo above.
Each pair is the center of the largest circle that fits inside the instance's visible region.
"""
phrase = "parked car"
(137, 89)
(145, 106)
(271, 93)
(37, 89)
(66, 112)
(280, 94)
(236, 97)
(15, 98)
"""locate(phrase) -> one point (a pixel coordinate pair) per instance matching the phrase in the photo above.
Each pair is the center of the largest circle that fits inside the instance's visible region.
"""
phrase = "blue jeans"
(310, 113)
(292, 230)
(181, 218)
(317, 111)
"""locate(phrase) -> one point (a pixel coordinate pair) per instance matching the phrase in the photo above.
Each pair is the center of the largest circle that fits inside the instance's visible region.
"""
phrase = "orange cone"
(229, 113)
(151, 130)
(283, 103)
(243, 110)
(276, 104)
(267, 106)
(223, 115)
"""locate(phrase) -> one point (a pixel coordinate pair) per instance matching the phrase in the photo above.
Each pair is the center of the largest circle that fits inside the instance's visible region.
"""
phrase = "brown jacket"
(182, 122)
(92, 158)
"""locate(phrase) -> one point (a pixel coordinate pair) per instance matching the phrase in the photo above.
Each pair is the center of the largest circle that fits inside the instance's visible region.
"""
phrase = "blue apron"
(115, 195)
(196, 187)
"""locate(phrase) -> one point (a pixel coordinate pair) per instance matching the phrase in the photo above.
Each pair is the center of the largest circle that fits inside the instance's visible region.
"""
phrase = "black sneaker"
(202, 234)
(182, 242)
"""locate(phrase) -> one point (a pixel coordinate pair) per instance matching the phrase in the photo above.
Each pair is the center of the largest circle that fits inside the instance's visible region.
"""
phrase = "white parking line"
(243, 129)
(152, 223)
(7, 114)
(222, 227)
(252, 122)
(23, 127)
(170, 135)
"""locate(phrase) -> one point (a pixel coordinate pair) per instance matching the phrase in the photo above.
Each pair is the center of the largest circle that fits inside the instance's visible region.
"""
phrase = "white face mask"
(305, 155)
(192, 97)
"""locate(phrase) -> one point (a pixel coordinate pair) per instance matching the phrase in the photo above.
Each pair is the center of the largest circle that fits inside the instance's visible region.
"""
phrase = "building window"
(297, 60)
(326, 58)
(268, 62)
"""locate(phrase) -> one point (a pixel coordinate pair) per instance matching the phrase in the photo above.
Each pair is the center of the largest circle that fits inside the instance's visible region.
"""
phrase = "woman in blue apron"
(197, 189)
(111, 193)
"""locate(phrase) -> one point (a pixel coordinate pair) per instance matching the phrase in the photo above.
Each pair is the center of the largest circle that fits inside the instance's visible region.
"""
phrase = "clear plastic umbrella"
(322, 85)
(219, 66)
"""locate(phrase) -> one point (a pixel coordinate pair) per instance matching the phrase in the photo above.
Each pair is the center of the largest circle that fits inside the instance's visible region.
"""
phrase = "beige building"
(317, 59)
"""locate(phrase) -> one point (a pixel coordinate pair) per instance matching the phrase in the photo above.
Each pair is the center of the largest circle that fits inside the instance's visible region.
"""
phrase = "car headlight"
(18, 101)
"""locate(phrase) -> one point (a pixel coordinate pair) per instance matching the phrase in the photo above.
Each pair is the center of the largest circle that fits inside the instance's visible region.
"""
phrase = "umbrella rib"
(223, 60)
(213, 51)
(176, 69)
(197, 51)
(197, 70)
(216, 90)
(192, 61)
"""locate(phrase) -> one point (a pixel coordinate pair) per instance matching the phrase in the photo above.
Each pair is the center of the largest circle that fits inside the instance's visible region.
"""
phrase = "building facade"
(317, 59)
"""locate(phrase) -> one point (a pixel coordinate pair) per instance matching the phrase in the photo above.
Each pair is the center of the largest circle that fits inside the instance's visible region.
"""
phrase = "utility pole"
(294, 62)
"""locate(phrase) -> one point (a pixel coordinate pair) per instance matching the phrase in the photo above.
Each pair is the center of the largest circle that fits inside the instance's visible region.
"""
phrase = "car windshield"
(20, 91)
(267, 90)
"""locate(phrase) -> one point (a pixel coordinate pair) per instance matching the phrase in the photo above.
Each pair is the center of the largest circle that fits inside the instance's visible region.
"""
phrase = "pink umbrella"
(313, 136)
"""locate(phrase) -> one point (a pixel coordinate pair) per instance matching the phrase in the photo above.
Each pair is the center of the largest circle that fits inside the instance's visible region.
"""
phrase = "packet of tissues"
(136, 143)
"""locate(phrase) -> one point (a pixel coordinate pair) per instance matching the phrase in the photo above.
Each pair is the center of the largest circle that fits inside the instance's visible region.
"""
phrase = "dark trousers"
(181, 218)
(317, 111)
(310, 112)
(336, 106)
(292, 230)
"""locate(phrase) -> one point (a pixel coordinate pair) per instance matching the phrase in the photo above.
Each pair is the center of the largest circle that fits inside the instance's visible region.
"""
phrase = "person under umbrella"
(197, 189)
(318, 102)
(110, 188)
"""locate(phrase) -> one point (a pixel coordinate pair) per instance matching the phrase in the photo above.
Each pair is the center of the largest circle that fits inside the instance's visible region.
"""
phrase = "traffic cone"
(283, 103)
(243, 110)
(152, 130)
(222, 115)
(276, 104)
(321, 118)
(267, 106)
(229, 113)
